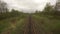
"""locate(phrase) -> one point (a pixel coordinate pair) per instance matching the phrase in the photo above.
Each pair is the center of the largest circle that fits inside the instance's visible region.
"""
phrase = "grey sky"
(28, 4)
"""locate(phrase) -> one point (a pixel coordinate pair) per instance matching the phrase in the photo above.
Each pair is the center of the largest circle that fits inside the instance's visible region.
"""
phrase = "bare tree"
(3, 7)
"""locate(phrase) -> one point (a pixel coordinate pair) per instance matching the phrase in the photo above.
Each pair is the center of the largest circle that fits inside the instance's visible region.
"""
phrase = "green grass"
(19, 27)
(49, 25)
(5, 24)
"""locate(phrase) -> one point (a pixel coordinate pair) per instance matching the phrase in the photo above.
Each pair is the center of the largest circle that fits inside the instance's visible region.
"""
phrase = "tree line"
(49, 10)
(5, 13)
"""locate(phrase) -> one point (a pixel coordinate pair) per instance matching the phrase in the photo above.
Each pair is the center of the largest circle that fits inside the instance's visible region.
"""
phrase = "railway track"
(30, 26)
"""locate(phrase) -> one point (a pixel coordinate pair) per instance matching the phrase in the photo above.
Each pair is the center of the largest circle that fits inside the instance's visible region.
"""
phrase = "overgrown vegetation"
(9, 19)
(49, 18)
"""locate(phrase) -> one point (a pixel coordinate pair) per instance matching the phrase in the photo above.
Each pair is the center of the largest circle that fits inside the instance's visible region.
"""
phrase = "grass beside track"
(48, 25)
(8, 25)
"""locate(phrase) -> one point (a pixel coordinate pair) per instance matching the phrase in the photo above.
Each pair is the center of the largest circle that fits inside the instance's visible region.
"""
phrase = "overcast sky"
(27, 5)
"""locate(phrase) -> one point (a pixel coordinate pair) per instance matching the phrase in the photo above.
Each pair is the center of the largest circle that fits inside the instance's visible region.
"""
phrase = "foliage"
(49, 10)
(12, 13)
